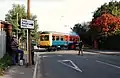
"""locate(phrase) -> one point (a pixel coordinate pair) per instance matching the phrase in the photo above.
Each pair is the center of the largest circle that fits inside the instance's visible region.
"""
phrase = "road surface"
(67, 64)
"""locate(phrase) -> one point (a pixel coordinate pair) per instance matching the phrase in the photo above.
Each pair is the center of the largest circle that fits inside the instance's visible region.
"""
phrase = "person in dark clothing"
(80, 48)
(32, 53)
(14, 47)
(21, 54)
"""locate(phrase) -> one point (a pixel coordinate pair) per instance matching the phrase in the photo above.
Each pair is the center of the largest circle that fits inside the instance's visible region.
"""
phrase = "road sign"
(28, 24)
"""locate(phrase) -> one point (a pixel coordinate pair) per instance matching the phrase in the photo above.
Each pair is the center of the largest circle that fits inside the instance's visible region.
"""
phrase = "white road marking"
(36, 65)
(108, 64)
(39, 74)
(45, 56)
(59, 55)
(75, 66)
(64, 60)
(22, 73)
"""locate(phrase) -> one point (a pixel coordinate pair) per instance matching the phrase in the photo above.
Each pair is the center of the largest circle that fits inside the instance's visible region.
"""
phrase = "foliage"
(38, 38)
(106, 23)
(11, 17)
(5, 62)
(112, 8)
(111, 42)
(117, 32)
(80, 28)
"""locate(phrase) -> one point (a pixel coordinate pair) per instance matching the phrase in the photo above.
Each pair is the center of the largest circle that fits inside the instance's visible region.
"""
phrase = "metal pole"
(17, 25)
(29, 34)
(27, 48)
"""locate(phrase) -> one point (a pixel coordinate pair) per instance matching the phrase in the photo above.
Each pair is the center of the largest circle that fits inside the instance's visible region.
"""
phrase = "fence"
(2, 43)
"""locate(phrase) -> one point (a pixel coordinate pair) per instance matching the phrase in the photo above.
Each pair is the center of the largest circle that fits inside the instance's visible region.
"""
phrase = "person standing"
(32, 51)
(80, 48)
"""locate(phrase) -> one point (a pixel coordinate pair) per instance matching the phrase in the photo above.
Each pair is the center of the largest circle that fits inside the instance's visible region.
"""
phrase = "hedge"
(5, 62)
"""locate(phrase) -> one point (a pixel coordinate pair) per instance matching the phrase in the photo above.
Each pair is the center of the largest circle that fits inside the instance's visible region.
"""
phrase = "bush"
(5, 62)
(111, 43)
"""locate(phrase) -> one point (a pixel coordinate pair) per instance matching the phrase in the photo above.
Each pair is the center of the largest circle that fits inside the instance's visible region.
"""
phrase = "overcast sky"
(57, 15)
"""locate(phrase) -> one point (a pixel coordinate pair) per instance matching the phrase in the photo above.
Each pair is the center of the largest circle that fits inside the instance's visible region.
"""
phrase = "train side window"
(62, 38)
(73, 39)
(57, 37)
(70, 38)
(65, 38)
(53, 38)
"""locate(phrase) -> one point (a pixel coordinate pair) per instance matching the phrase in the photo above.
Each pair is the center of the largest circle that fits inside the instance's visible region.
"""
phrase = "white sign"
(28, 24)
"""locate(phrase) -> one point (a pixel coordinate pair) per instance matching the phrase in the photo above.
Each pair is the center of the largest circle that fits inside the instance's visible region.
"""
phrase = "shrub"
(5, 62)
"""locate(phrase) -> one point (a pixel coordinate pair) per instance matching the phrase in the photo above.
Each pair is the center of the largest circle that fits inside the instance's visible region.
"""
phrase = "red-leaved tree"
(106, 23)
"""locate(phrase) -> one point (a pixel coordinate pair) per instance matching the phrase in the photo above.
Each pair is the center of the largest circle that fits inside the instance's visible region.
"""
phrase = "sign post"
(28, 24)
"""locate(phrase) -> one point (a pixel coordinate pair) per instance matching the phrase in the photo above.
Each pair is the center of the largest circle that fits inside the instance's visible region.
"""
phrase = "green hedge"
(111, 43)
(5, 62)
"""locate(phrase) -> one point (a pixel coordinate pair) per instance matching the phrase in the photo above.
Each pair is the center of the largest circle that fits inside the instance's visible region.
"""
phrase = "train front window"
(41, 38)
(44, 38)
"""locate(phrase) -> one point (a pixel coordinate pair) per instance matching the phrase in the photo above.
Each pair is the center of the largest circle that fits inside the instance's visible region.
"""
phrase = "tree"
(34, 32)
(106, 19)
(11, 17)
(111, 8)
(81, 30)
(38, 37)
(106, 23)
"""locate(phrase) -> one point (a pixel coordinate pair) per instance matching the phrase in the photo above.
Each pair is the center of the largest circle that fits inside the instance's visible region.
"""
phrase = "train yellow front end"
(45, 40)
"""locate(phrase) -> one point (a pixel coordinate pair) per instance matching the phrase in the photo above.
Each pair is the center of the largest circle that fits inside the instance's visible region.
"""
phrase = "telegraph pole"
(29, 34)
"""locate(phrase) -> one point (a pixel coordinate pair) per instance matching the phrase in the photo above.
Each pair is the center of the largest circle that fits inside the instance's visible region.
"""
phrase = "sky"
(57, 15)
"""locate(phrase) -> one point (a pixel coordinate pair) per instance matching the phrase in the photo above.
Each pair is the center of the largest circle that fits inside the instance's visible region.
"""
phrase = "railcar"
(58, 40)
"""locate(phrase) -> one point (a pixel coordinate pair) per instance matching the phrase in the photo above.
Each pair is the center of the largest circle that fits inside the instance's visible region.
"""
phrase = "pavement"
(67, 64)
(107, 52)
(17, 71)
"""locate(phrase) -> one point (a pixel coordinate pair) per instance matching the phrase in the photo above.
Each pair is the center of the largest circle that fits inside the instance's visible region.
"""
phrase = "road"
(67, 64)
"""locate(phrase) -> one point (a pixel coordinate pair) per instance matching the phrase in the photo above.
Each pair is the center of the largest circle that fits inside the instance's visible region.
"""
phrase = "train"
(52, 40)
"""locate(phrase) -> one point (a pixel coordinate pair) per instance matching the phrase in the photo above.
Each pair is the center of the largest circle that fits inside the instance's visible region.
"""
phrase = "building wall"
(2, 43)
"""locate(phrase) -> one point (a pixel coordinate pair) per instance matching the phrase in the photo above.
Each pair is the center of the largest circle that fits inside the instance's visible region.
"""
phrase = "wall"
(2, 43)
